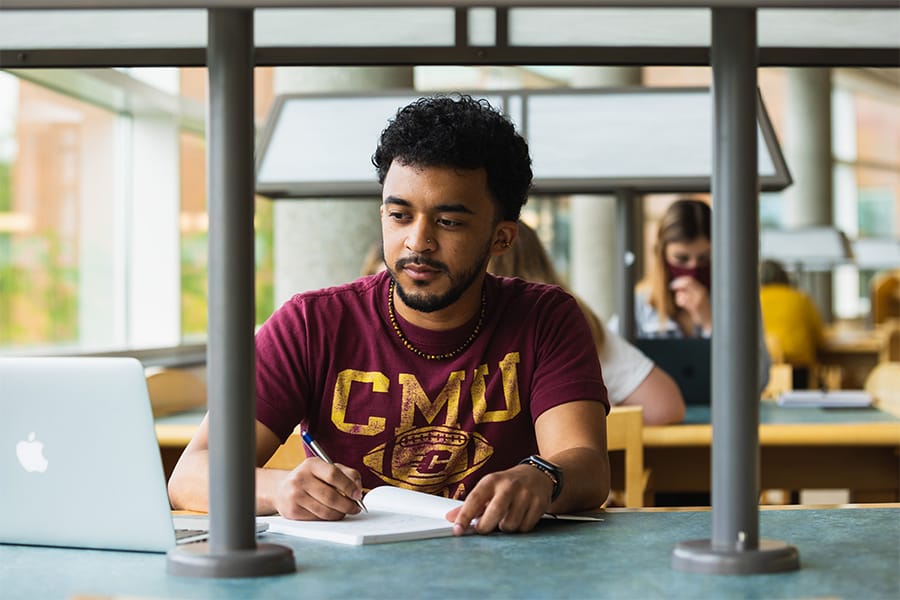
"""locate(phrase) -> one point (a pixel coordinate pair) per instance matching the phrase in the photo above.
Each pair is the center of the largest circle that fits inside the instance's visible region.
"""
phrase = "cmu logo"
(434, 457)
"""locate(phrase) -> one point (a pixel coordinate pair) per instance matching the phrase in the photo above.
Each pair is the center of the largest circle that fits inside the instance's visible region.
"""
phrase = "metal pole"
(230, 350)
(232, 550)
(735, 547)
(735, 359)
(626, 223)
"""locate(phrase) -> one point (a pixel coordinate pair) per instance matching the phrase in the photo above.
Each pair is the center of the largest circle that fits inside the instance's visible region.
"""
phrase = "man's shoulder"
(358, 289)
(525, 302)
(518, 288)
(358, 297)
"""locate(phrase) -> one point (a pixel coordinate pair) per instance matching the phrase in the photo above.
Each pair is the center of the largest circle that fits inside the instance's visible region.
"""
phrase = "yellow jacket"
(791, 318)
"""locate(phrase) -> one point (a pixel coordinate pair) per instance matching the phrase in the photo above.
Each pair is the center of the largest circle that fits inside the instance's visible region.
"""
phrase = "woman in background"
(674, 300)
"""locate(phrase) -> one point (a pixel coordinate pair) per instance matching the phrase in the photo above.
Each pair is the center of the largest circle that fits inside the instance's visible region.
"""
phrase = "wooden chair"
(884, 293)
(175, 390)
(776, 352)
(890, 328)
(625, 432)
(781, 379)
(780, 372)
(883, 384)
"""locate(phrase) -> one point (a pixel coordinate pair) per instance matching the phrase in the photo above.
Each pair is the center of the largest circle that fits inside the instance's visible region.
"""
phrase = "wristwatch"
(549, 469)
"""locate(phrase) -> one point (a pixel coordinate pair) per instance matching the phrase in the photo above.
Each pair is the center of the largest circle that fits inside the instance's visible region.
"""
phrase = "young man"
(432, 375)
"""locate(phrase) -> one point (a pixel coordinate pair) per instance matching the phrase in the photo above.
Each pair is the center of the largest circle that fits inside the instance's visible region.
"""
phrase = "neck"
(467, 307)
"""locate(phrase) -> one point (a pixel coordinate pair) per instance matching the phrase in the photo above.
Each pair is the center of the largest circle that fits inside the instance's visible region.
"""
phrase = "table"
(800, 448)
(844, 553)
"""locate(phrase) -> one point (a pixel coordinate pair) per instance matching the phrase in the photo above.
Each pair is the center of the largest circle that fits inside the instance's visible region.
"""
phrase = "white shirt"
(624, 367)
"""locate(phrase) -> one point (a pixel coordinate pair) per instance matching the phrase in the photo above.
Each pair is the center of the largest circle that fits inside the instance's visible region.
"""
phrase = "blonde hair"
(373, 262)
(527, 259)
(684, 221)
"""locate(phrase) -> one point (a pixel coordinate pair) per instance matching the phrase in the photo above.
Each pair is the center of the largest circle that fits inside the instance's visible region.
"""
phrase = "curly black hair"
(462, 132)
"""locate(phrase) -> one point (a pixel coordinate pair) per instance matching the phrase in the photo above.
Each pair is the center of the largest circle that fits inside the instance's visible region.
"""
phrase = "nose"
(421, 238)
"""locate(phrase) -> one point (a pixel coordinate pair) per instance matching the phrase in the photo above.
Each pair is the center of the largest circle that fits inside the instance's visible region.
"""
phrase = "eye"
(396, 215)
(448, 223)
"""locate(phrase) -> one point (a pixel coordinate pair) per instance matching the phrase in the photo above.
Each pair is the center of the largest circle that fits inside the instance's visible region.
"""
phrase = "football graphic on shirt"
(429, 458)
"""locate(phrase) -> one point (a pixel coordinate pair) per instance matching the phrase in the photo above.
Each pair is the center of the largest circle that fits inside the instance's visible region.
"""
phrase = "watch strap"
(548, 468)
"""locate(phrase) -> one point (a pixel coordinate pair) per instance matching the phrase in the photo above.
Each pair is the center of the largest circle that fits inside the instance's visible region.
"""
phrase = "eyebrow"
(451, 208)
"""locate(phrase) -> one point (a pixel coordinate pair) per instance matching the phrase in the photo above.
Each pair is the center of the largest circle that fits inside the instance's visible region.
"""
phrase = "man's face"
(439, 231)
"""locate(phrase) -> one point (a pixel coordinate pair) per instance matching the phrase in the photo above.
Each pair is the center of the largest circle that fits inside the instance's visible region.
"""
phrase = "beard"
(459, 282)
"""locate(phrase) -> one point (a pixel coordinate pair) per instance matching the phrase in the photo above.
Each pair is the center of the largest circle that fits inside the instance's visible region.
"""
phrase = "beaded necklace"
(425, 355)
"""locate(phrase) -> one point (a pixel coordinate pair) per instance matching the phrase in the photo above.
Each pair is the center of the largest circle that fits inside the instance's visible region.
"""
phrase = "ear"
(505, 233)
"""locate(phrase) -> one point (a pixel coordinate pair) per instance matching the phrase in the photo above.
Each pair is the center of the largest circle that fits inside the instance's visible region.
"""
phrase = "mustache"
(421, 261)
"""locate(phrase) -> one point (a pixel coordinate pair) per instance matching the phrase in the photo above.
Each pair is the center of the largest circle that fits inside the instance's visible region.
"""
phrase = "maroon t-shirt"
(331, 360)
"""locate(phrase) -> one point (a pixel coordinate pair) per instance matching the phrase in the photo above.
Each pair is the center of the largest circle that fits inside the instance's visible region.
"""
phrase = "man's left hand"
(511, 500)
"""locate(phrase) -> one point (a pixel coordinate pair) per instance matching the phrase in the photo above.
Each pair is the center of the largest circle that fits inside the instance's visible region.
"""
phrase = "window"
(61, 283)
(866, 143)
(103, 223)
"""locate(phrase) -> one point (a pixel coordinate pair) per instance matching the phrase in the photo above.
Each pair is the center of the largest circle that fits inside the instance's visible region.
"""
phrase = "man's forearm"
(585, 479)
(189, 484)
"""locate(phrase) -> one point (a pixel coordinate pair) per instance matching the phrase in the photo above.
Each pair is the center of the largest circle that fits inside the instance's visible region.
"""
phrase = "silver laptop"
(79, 460)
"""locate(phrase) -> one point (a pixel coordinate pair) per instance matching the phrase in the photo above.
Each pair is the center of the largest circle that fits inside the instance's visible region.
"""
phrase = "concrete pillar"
(593, 218)
(807, 150)
(320, 243)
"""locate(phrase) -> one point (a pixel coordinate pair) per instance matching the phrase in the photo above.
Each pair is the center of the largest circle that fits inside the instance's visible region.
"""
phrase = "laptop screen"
(687, 361)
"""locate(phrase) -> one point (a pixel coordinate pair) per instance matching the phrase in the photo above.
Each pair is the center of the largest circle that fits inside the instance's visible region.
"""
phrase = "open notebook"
(79, 461)
(394, 515)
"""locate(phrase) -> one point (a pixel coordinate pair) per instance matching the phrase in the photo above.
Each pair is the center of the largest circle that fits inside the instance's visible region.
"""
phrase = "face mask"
(701, 273)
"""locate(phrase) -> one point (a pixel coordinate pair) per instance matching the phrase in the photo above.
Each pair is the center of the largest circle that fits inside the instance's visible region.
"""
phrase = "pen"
(320, 452)
(568, 517)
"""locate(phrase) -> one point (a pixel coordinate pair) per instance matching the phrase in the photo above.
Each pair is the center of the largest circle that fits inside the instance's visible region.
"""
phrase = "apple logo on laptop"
(31, 454)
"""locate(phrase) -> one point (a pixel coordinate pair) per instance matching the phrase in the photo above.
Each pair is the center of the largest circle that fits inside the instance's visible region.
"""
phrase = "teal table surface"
(770, 413)
(844, 553)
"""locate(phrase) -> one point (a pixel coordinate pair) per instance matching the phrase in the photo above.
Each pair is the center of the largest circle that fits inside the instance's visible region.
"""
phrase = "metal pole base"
(698, 556)
(195, 560)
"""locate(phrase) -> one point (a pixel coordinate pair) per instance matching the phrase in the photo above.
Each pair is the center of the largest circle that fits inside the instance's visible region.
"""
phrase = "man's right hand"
(313, 490)
(316, 490)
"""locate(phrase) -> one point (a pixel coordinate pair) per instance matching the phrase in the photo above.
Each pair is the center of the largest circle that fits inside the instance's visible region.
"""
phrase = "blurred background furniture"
(624, 432)
(885, 296)
(883, 384)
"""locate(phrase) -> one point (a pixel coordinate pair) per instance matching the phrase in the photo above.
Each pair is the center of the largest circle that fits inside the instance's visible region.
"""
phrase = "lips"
(419, 270)
(420, 273)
